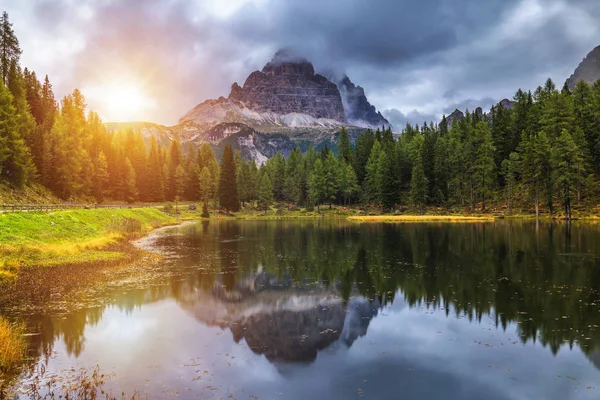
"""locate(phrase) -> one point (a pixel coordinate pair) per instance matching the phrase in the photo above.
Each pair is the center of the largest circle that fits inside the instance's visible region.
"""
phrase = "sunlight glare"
(120, 102)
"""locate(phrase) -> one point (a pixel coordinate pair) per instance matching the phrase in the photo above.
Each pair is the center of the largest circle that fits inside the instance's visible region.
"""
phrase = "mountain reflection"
(292, 289)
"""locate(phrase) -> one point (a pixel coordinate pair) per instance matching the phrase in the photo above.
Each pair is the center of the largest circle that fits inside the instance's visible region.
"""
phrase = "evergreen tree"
(100, 177)
(131, 191)
(483, 168)
(569, 169)
(587, 121)
(317, 186)
(418, 184)
(156, 184)
(332, 178)
(535, 155)
(16, 168)
(206, 186)
(180, 182)
(276, 168)
(344, 147)
(228, 196)
(362, 152)
(175, 160)
(510, 168)
(348, 182)
(371, 186)
(265, 192)
(294, 171)
(10, 52)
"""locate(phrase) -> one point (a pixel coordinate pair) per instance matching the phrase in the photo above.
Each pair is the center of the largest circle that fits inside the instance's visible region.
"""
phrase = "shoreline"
(72, 237)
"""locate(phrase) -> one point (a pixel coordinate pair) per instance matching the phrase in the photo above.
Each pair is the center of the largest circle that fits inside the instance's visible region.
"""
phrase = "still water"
(337, 310)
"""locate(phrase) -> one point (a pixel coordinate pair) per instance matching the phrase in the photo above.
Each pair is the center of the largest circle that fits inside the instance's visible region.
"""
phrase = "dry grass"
(12, 345)
(421, 218)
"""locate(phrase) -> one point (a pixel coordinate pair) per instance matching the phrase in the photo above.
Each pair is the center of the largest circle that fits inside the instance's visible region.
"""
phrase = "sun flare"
(120, 102)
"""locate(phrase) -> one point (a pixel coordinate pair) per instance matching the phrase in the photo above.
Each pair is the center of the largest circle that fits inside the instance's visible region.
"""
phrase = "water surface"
(338, 310)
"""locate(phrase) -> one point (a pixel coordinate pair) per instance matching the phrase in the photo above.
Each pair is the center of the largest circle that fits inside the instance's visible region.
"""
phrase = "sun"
(122, 102)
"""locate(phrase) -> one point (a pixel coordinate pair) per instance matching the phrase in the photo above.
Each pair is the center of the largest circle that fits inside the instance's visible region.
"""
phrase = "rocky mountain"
(588, 70)
(286, 104)
(358, 109)
(457, 115)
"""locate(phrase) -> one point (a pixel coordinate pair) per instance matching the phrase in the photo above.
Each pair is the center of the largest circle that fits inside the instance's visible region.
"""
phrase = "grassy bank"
(68, 237)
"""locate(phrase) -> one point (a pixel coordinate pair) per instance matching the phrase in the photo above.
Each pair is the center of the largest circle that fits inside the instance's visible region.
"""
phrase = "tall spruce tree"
(10, 52)
(228, 196)
(568, 169)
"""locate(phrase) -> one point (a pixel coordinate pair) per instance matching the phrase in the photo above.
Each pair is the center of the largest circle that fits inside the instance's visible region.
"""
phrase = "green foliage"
(265, 192)
(317, 184)
(418, 184)
(228, 196)
(568, 169)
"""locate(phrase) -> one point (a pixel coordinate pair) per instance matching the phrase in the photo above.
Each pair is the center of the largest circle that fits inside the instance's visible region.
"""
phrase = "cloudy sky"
(416, 60)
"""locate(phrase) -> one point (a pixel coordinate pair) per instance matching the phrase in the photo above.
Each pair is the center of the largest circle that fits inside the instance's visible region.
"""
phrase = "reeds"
(13, 345)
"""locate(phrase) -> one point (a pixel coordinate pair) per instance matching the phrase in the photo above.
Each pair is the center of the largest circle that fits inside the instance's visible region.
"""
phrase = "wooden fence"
(55, 207)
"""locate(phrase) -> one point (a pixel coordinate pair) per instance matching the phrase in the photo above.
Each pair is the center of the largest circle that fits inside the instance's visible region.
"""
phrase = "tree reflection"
(541, 276)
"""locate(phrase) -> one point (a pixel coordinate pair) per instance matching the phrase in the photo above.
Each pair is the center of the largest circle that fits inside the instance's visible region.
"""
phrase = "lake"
(324, 309)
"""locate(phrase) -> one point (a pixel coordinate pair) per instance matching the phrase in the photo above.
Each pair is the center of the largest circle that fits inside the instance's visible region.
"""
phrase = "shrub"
(168, 208)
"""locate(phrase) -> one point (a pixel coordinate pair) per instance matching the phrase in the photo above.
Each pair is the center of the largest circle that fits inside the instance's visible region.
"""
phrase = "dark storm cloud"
(423, 56)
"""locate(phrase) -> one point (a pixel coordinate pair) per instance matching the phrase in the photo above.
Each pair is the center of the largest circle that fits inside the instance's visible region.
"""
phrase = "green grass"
(69, 237)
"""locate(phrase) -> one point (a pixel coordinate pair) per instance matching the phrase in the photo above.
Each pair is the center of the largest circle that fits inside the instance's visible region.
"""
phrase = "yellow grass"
(12, 345)
(421, 218)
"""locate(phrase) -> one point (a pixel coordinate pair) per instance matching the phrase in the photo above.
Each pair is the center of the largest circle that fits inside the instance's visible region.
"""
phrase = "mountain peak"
(588, 70)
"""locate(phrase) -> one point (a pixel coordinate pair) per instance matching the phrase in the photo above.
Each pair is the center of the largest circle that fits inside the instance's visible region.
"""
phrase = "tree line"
(542, 152)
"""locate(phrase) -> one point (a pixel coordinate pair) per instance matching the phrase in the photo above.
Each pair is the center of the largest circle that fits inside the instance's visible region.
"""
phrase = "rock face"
(358, 109)
(588, 70)
(506, 103)
(456, 116)
(288, 84)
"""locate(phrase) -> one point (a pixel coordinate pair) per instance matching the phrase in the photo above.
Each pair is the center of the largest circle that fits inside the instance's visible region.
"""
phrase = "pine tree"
(332, 178)
(206, 185)
(535, 154)
(344, 147)
(587, 122)
(100, 177)
(131, 191)
(276, 168)
(371, 186)
(16, 166)
(294, 171)
(418, 184)
(569, 169)
(362, 152)
(180, 181)
(155, 190)
(483, 168)
(317, 185)
(265, 192)
(175, 160)
(510, 168)
(228, 196)
(10, 52)
(348, 182)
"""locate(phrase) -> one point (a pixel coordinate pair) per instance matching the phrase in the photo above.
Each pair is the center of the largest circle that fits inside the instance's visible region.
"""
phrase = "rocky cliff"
(588, 70)
(358, 109)
(288, 84)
